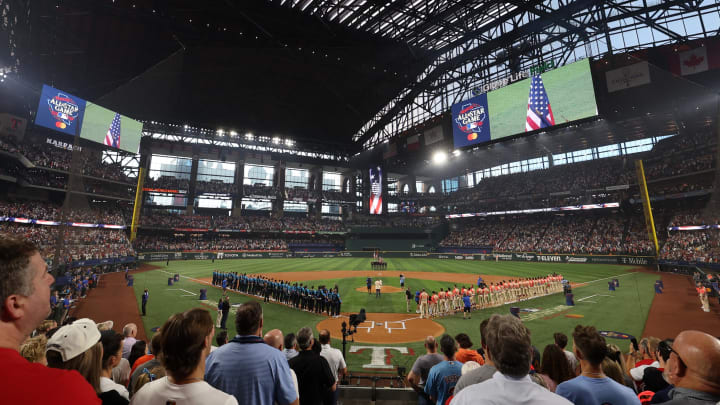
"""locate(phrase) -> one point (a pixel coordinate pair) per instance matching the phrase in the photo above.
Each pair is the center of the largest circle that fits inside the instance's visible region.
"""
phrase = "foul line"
(606, 278)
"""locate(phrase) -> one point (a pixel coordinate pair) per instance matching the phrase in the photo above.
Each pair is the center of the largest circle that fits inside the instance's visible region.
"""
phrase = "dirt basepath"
(678, 309)
(113, 300)
(386, 328)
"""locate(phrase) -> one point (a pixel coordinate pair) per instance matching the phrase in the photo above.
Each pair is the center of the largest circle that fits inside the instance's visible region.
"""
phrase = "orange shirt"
(423, 297)
(434, 298)
(465, 355)
(441, 294)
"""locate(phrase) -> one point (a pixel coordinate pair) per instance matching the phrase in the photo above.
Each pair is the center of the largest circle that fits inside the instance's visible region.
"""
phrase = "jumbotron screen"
(562, 95)
(110, 128)
(69, 114)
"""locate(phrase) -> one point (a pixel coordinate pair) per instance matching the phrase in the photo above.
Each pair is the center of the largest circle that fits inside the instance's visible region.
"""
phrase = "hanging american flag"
(376, 191)
(539, 113)
(112, 138)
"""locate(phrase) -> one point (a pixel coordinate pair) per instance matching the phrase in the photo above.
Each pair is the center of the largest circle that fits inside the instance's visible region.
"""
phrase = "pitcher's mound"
(385, 328)
(385, 289)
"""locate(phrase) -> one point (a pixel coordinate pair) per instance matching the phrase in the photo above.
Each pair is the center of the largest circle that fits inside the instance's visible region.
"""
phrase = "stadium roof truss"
(475, 42)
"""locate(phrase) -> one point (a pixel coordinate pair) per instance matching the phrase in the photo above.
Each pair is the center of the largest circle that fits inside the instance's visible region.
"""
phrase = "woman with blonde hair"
(33, 349)
(77, 346)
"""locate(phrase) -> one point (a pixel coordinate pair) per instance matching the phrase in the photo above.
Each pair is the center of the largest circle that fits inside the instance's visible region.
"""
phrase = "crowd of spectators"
(397, 221)
(692, 246)
(167, 183)
(51, 156)
(259, 190)
(96, 214)
(157, 243)
(558, 234)
(215, 187)
(77, 243)
(250, 223)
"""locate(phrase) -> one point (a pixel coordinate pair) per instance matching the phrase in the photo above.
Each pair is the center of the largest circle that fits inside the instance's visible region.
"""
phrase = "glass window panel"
(254, 174)
(295, 206)
(420, 186)
(256, 204)
(332, 181)
(296, 178)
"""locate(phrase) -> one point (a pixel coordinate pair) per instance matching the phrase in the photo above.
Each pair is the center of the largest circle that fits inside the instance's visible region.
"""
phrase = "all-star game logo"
(471, 119)
(64, 109)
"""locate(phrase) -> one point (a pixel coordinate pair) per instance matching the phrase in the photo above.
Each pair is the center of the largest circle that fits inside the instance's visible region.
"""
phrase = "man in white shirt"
(336, 361)
(378, 286)
(508, 343)
(129, 332)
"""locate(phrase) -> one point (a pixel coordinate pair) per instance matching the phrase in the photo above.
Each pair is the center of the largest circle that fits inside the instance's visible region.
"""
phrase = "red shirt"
(140, 361)
(22, 382)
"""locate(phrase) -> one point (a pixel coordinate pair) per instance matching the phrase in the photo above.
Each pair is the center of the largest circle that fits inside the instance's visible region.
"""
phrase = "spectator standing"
(421, 368)
(555, 367)
(154, 342)
(220, 339)
(152, 362)
(225, 309)
(485, 372)
(336, 361)
(465, 353)
(592, 386)
(315, 378)
(247, 368)
(186, 339)
(138, 350)
(274, 338)
(561, 340)
(112, 354)
(129, 332)
(77, 346)
(33, 349)
(508, 344)
(289, 346)
(694, 369)
(444, 375)
(145, 297)
(25, 299)
(408, 298)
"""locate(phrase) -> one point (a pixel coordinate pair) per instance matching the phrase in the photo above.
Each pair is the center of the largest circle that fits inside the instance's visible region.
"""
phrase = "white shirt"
(334, 358)
(107, 384)
(161, 391)
(504, 390)
(571, 359)
(127, 346)
(378, 284)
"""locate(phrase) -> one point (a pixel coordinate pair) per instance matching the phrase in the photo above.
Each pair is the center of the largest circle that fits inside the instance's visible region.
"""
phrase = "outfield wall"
(499, 256)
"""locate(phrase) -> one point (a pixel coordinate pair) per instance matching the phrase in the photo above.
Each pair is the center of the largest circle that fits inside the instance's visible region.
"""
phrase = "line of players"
(448, 302)
(296, 295)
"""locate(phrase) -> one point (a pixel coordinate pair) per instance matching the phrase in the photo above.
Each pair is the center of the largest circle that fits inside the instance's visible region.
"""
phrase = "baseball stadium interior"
(533, 177)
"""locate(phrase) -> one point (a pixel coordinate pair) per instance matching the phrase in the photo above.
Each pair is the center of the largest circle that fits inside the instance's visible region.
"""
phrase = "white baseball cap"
(74, 339)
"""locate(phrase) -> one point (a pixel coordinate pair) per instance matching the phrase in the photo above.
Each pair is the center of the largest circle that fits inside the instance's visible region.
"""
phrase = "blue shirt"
(466, 301)
(596, 391)
(254, 373)
(442, 379)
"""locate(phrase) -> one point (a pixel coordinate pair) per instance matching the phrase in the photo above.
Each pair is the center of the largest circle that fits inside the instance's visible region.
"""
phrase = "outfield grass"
(625, 310)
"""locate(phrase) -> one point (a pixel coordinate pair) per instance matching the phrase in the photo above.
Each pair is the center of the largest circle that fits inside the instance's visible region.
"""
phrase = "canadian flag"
(694, 61)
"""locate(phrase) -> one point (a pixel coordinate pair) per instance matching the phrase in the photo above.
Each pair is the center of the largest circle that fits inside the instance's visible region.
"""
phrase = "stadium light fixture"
(456, 152)
(290, 143)
(439, 157)
(276, 140)
(233, 134)
(249, 136)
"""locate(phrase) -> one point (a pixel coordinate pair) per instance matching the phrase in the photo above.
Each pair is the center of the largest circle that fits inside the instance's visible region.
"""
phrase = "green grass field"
(625, 310)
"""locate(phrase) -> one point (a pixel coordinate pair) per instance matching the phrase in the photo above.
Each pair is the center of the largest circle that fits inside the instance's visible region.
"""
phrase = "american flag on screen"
(112, 138)
(539, 113)
(376, 191)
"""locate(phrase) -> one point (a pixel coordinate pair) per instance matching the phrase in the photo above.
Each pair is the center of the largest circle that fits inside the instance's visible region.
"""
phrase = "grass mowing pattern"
(625, 310)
